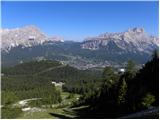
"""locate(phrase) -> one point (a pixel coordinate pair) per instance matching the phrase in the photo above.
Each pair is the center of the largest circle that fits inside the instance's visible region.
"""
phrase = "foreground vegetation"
(27, 90)
(34, 80)
(126, 93)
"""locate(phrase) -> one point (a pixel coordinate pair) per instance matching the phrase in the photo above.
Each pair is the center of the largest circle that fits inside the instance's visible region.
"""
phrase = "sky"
(76, 20)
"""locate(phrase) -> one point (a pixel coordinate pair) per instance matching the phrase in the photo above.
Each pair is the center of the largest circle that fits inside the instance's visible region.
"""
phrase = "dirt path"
(22, 103)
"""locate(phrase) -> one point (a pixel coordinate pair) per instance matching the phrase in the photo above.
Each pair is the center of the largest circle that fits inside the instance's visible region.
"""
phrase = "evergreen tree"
(130, 70)
(146, 81)
(122, 91)
(109, 77)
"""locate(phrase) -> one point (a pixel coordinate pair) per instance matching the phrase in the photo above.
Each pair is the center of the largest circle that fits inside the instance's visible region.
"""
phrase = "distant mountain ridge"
(132, 40)
(27, 36)
(29, 43)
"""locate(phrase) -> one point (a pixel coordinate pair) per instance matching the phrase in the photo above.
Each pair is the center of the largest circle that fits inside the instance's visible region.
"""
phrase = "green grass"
(36, 115)
(61, 111)
(49, 113)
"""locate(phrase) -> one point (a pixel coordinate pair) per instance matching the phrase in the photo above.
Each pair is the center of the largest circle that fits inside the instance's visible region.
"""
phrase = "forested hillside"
(126, 93)
(103, 94)
(34, 80)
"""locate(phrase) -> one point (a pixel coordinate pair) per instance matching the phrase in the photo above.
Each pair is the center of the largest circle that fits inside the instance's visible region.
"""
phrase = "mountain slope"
(72, 54)
(40, 73)
(106, 49)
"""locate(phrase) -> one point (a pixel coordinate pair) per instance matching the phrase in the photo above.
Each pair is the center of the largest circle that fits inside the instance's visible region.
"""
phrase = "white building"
(57, 84)
(122, 70)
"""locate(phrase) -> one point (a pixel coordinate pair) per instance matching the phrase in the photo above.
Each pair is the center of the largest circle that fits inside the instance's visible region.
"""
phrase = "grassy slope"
(53, 113)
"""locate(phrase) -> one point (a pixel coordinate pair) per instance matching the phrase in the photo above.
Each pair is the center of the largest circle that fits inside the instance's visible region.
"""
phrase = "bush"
(70, 96)
(148, 100)
(10, 113)
(8, 97)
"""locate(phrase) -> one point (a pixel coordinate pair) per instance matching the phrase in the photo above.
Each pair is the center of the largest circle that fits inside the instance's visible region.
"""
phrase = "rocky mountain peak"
(135, 39)
(31, 27)
(136, 30)
(26, 36)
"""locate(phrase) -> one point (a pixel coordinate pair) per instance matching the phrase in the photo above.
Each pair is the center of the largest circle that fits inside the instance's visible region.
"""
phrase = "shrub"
(148, 100)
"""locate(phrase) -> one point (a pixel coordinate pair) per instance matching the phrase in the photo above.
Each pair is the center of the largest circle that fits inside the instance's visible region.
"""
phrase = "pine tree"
(130, 70)
(122, 91)
(146, 81)
(109, 77)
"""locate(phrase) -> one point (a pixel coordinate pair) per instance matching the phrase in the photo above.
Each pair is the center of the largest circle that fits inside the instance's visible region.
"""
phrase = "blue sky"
(76, 20)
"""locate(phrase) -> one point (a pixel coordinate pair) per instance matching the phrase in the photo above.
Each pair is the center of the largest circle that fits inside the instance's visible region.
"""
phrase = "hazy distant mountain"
(27, 36)
(29, 43)
(133, 40)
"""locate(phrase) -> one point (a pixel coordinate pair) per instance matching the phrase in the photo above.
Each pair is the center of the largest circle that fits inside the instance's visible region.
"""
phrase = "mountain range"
(30, 43)
(132, 40)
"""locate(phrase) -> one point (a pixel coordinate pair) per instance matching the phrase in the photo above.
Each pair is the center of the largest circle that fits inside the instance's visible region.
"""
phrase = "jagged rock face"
(26, 37)
(133, 40)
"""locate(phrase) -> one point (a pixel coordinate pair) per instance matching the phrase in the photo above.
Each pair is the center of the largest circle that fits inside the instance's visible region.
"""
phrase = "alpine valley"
(30, 43)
